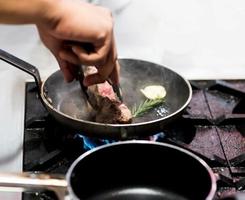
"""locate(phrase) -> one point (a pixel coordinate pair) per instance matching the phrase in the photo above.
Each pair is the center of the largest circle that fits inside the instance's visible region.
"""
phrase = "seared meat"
(103, 100)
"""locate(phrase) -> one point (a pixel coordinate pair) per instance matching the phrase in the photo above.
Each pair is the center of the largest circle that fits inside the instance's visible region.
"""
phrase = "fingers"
(69, 56)
(109, 70)
(108, 66)
(98, 54)
(105, 62)
(67, 69)
(98, 78)
(115, 73)
(90, 58)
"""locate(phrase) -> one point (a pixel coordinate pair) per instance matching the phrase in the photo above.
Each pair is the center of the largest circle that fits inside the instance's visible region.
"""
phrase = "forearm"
(24, 11)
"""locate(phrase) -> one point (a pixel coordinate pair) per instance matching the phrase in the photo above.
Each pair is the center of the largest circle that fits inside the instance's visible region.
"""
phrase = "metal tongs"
(80, 76)
(118, 91)
(116, 87)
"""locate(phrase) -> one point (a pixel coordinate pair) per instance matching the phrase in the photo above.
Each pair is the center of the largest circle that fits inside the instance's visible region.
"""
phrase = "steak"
(104, 101)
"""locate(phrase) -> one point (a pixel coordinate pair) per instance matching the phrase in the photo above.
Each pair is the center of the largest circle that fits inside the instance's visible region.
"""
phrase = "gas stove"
(212, 127)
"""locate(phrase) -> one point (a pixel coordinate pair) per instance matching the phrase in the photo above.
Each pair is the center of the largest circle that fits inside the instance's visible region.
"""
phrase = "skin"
(66, 27)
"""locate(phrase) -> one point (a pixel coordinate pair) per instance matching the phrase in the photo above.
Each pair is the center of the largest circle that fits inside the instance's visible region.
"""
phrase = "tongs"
(118, 91)
(80, 75)
(116, 87)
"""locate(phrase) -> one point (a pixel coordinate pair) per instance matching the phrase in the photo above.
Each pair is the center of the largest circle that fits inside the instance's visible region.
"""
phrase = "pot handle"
(30, 181)
(22, 65)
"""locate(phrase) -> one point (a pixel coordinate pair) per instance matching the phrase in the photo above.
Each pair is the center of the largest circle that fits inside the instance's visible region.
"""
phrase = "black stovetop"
(212, 127)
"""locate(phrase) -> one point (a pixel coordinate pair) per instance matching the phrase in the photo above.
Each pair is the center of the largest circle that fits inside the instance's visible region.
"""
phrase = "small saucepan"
(129, 170)
(66, 103)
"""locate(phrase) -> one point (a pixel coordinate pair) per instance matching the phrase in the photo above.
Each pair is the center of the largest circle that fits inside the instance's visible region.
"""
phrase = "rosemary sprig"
(145, 106)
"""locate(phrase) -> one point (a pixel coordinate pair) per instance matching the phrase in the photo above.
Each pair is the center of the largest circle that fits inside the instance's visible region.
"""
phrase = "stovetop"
(212, 127)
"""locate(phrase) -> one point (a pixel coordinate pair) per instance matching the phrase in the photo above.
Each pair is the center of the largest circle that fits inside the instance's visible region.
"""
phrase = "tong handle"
(117, 89)
(80, 78)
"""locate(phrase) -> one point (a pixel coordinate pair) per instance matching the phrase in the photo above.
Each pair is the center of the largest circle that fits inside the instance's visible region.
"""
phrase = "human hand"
(80, 22)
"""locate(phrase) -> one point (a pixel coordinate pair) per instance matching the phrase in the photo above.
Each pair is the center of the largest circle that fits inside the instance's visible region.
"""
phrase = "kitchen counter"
(197, 39)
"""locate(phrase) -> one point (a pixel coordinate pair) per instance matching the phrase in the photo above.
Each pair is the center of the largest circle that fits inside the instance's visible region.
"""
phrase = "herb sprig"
(146, 106)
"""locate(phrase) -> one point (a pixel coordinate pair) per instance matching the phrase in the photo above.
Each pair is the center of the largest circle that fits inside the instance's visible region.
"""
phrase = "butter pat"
(154, 92)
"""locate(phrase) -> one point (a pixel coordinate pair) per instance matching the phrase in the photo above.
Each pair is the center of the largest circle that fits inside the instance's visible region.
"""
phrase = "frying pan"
(66, 102)
(131, 170)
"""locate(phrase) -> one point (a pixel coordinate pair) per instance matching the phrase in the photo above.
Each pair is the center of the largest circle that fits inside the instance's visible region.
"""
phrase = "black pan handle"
(22, 65)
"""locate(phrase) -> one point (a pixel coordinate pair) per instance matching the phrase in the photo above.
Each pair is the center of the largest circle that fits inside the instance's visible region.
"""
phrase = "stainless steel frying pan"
(66, 102)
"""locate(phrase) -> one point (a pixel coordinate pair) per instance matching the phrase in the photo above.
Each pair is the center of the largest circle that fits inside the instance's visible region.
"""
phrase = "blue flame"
(90, 142)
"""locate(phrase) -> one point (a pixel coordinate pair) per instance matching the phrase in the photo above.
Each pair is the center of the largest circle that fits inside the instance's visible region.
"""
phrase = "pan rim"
(47, 103)
(212, 176)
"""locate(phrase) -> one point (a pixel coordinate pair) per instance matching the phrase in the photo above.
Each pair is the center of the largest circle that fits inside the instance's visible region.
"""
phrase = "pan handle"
(29, 181)
(22, 65)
